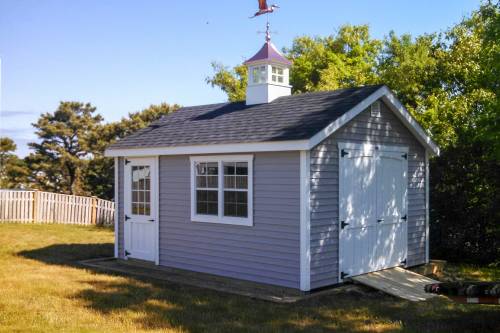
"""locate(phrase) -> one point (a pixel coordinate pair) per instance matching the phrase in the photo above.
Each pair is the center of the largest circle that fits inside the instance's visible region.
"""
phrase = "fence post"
(93, 211)
(35, 206)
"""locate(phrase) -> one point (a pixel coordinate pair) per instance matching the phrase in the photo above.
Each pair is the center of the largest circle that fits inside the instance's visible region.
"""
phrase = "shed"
(299, 190)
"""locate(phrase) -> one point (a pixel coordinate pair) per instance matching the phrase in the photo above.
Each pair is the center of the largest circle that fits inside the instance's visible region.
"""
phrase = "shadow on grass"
(153, 304)
(69, 254)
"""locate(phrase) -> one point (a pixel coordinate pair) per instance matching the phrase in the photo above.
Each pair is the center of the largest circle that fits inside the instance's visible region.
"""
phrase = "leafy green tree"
(7, 149)
(464, 201)
(13, 171)
(346, 59)
(232, 81)
(66, 144)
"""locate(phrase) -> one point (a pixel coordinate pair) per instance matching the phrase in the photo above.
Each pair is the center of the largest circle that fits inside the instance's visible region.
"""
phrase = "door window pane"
(141, 190)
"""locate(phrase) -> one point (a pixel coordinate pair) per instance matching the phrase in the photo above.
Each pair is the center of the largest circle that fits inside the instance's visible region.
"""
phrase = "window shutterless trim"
(220, 218)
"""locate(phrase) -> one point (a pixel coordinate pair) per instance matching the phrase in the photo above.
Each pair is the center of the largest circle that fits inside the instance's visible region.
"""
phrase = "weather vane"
(265, 9)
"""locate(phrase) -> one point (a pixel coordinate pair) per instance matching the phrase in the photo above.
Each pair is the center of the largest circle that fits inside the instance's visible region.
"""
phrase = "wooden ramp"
(398, 282)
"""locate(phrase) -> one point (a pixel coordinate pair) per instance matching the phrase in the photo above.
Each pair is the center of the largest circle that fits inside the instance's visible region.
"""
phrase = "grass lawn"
(42, 289)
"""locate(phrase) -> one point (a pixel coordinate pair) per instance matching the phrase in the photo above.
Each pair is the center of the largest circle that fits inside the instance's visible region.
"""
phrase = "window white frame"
(259, 74)
(220, 218)
(276, 75)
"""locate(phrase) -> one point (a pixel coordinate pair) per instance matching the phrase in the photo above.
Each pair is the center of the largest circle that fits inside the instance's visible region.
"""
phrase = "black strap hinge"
(405, 217)
(343, 224)
(127, 253)
(343, 152)
(127, 217)
(127, 161)
(405, 156)
(403, 262)
(343, 275)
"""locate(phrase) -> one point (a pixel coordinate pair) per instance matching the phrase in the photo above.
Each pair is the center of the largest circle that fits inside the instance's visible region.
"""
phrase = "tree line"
(449, 81)
(68, 156)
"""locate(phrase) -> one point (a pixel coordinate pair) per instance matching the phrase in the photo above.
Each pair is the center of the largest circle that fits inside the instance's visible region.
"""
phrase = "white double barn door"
(373, 212)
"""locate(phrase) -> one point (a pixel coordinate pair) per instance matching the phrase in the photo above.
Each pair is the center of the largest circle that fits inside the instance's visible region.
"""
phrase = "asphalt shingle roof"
(294, 117)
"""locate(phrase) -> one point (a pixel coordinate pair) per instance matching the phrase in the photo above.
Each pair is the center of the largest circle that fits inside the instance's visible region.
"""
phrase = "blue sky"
(123, 55)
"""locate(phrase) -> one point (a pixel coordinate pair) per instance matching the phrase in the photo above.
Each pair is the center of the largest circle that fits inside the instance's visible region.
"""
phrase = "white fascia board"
(394, 104)
(211, 149)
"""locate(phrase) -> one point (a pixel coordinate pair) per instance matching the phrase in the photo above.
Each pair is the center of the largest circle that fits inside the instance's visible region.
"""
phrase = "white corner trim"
(211, 149)
(220, 218)
(305, 221)
(427, 221)
(156, 199)
(116, 208)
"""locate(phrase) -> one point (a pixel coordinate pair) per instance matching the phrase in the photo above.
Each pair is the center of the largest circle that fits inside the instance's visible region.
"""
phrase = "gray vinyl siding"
(267, 252)
(386, 129)
(120, 208)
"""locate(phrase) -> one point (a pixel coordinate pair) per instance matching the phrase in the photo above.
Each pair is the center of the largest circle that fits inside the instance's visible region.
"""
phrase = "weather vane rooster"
(264, 9)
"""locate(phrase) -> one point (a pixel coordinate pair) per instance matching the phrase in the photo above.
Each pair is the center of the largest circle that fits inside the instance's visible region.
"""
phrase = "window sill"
(224, 220)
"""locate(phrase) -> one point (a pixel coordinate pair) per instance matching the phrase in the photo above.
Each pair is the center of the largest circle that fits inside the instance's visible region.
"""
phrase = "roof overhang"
(211, 149)
(383, 93)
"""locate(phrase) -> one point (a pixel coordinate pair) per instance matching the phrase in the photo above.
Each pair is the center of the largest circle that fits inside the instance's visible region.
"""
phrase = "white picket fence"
(46, 207)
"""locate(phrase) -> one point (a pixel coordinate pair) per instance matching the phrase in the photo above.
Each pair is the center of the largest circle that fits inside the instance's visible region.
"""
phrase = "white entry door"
(372, 202)
(140, 225)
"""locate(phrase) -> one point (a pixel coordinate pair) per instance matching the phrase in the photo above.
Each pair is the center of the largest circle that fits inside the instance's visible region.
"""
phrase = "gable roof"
(296, 122)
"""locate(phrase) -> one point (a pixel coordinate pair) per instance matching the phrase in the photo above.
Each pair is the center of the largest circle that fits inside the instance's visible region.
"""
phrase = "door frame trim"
(154, 200)
(368, 147)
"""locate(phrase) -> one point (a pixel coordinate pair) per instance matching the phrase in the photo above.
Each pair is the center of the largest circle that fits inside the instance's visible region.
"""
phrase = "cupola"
(268, 74)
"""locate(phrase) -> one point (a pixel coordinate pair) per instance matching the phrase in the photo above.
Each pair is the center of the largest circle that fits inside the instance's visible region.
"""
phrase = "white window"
(221, 189)
(259, 74)
(277, 74)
